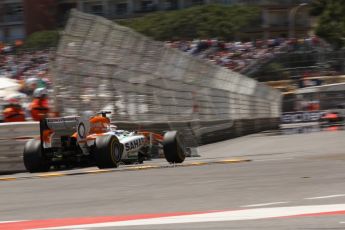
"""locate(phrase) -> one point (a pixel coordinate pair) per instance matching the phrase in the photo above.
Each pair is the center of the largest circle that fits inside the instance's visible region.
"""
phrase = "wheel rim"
(116, 151)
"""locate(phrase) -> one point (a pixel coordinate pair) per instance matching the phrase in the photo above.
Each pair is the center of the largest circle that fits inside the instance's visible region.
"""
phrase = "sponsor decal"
(134, 144)
(297, 117)
(62, 123)
(59, 120)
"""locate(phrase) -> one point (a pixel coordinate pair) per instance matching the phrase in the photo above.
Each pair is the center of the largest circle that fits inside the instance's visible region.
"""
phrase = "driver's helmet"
(40, 92)
(99, 124)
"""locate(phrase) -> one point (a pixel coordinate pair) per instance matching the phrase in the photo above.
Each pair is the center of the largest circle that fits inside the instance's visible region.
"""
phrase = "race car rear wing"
(60, 124)
(56, 127)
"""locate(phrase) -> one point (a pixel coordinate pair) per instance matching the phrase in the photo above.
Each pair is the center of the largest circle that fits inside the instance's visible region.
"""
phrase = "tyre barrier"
(13, 136)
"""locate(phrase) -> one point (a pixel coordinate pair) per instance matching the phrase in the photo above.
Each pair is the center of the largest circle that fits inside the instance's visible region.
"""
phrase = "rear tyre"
(174, 148)
(34, 159)
(141, 158)
(107, 152)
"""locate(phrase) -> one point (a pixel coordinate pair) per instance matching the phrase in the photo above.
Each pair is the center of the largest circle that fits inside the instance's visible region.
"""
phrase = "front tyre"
(174, 148)
(34, 159)
(107, 152)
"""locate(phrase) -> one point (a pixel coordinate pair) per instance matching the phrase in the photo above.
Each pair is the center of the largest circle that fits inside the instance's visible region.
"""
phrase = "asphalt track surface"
(260, 181)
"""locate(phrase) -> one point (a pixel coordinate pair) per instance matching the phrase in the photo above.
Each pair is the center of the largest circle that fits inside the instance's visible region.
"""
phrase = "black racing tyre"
(141, 158)
(107, 152)
(174, 148)
(34, 159)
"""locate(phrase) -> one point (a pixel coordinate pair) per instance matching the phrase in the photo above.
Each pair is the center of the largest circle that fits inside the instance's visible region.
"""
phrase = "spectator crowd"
(28, 74)
(240, 56)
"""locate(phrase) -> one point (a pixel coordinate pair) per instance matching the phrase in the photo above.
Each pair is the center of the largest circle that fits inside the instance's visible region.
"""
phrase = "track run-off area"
(260, 181)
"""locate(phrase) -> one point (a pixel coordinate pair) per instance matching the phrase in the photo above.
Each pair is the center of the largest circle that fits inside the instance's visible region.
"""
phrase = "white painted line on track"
(264, 204)
(236, 215)
(324, 197)
(10, 221)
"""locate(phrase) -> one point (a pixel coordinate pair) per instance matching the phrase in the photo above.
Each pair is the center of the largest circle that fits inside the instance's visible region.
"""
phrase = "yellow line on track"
(131, 168)
(197, 164)
(232, 161)
(97, 171)
(45, 175)
(144, 167)
(8, 178)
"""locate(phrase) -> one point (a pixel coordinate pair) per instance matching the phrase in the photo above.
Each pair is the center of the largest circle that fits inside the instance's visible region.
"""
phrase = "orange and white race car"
(76, 141)
(331, 118)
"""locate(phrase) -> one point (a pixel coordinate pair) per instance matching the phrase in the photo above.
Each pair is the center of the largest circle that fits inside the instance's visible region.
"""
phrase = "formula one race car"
(73, 141)
(331, 118)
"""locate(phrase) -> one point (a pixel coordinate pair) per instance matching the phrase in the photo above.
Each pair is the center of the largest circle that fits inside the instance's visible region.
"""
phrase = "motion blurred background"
(295, 46)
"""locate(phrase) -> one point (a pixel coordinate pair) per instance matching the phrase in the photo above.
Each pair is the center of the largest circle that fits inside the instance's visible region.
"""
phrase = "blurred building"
(288, 18)
(18, 18)
(279, 17)
(11, 20)
(39, 15)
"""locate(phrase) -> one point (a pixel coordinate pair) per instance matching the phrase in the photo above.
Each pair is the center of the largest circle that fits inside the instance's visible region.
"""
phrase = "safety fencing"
(101, 65)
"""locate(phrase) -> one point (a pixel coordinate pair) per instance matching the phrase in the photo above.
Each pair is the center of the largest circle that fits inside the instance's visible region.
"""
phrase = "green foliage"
(206, 21)
(318, 7)
(42, 39)
(331, 22)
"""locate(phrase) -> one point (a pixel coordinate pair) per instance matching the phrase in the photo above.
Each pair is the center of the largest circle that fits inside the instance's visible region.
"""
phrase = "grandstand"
(271, 59)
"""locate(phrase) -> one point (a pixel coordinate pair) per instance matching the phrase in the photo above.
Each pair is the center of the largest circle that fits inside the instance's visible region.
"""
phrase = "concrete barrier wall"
(12, 139)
